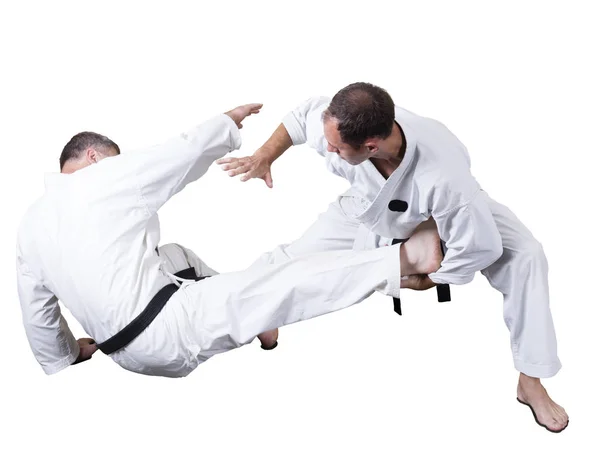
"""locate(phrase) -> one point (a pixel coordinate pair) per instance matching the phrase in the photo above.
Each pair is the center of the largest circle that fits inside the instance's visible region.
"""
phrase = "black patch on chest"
(398, 206)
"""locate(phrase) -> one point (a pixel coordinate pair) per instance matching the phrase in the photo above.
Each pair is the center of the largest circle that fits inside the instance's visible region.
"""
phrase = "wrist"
(267, 153)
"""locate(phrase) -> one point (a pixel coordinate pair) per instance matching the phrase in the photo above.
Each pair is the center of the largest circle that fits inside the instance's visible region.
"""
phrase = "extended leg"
(178, 258)
(521, 274)
(229, 310)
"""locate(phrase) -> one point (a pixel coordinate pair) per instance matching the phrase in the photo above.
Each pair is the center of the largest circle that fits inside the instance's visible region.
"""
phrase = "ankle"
(526, 380)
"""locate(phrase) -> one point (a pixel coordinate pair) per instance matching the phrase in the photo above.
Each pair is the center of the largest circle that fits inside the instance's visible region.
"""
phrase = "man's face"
(335, 145)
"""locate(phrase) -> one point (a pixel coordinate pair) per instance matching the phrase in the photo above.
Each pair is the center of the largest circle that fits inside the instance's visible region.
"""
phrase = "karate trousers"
(520, 274)
(226, 311)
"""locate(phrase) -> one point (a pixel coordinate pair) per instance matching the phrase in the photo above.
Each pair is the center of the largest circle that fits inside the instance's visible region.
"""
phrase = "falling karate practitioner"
(404, 170)
(92, 241)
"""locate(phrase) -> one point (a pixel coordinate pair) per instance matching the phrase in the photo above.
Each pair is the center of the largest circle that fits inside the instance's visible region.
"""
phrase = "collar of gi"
(408, 136)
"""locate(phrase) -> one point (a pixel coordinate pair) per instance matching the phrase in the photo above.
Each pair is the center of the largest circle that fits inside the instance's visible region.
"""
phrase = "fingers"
(269, 180)
(233, 163)
(87, 347)
(250, 173)
(254, 107)
(240, 170)
(250, 167)
(87, 351)
(85, 341)
(235, 167)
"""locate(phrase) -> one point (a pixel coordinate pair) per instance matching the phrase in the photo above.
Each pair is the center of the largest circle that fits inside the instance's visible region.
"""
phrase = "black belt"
(443, 290)
(141, 322)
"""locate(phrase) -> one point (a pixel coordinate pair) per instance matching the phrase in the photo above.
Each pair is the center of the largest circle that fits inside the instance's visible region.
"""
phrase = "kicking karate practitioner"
(92, 241)
(405, 169)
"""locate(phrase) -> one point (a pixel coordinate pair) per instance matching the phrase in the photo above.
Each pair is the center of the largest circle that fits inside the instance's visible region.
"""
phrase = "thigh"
(334, 230)
(519, 247)
(229, 310)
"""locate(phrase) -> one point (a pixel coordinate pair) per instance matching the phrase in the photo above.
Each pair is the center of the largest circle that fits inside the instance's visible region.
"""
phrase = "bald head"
(361, 111)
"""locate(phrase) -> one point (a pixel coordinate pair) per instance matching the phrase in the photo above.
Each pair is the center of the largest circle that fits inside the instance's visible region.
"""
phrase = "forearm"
(164, 170)
(472, 239)
(51, 341)
(278, 143)
(49, 336)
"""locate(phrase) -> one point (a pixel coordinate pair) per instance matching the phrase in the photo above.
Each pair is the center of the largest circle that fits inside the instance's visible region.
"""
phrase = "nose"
(331, 149)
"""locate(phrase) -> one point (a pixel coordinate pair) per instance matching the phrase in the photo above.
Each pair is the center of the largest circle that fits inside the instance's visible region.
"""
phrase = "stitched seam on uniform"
(61, 364)
(142, 197)
(536, 364)
(466, 203)
(454, 278)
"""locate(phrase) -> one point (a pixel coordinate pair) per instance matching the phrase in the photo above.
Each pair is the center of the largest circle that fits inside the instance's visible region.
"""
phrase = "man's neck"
(393, 152)
(397, 144)
(72, 167)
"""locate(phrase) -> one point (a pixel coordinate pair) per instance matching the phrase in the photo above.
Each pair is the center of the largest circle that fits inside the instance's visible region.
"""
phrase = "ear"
(91, 155)
(372, 145)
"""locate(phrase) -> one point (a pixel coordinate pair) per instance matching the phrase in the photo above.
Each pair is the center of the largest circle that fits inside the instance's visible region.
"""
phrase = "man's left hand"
(87, 347)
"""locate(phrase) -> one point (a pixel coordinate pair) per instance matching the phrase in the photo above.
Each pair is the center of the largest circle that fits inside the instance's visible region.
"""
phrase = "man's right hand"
(256, 166)
(87, 347)
(241, 112)
(259, 164)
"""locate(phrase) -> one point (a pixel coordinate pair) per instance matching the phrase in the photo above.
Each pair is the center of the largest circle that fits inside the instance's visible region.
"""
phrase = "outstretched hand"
(87, 347)
(241, 112)
(255, 166)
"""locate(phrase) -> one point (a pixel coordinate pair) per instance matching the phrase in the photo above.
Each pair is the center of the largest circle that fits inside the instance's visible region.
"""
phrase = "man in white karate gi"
(92, 241)
(405, 169)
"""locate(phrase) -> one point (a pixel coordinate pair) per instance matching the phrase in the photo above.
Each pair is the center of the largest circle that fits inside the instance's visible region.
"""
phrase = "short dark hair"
(84, 140)
(362, 111)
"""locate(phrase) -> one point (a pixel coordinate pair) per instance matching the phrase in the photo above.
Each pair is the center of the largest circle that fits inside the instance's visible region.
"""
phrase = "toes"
(555, 426)
(560, 412)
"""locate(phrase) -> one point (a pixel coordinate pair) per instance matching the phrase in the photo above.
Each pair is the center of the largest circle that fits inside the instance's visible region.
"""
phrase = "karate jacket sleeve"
(49, 336)
(163, 170)
(466, 225)
(304, 124)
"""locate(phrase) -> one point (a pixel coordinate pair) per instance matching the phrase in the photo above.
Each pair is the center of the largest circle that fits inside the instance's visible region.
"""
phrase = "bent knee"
(176, 257)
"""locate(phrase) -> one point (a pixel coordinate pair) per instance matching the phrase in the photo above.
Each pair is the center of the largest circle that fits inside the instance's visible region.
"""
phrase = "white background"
(517, 82)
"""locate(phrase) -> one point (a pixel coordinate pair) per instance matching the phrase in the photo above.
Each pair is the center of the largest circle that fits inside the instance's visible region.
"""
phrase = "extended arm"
(161, 171)
(302, 125)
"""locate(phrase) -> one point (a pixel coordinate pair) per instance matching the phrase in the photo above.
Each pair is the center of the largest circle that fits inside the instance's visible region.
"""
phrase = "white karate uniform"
(92, 241)
(434, 180)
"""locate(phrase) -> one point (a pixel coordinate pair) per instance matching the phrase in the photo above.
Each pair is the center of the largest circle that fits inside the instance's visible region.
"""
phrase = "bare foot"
(417, 282)
(422, 253)
(268, 339)
(547, 413)
(241, 112)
